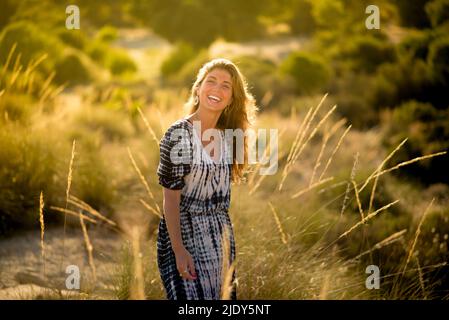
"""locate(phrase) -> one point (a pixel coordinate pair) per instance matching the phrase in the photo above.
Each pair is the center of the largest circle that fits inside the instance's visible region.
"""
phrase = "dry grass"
(84, 206)
(284, 236)
(417, 233)
(150, 129)
(67, 193)
(89, 248)
(397, 236)
(367, 218)
(227, 268)
(145, 183)
(308, 268)
(42, 224)
(137, 290)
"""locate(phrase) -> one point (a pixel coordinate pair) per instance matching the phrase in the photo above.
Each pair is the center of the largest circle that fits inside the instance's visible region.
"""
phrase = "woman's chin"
(214, 108)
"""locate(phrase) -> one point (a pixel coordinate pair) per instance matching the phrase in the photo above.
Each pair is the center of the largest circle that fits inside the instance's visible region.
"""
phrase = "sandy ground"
(22, 269)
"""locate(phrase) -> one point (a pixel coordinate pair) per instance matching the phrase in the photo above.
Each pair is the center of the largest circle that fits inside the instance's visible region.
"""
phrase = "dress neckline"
(201, 144)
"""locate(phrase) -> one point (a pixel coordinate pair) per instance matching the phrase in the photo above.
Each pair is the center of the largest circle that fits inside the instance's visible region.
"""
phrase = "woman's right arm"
(184, 260)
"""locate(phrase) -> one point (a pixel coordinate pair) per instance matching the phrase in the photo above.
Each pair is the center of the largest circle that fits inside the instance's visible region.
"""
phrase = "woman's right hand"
(184, 264)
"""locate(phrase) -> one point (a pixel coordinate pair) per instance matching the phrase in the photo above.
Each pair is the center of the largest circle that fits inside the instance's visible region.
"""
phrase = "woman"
(196, 229)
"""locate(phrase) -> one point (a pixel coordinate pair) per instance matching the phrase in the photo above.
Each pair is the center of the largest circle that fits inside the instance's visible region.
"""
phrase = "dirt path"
(22, 271)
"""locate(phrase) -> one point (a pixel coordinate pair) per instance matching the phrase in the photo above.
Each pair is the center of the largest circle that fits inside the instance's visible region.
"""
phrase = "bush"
(187, 75)
(98, 51)
(110, 124)
(16, 107)
(93, 177)
(107, 34)
(327, 13)
(433, 246)
(428, 131)
(438, 60)
(353, 94)
(438, 12)
(264, 80)
(71, 70)
(416, 44)
(28, 165)
(179, 57)
(398, 82)
(9, 8)
(74, 38)
(310, 73)
(32, 42)
(119, 63)
(302, 21)
(367, 53)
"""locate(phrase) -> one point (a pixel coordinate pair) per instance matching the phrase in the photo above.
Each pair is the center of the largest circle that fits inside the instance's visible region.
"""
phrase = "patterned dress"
(205, 197)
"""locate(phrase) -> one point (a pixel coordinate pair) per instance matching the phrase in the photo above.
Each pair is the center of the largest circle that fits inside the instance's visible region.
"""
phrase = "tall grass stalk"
(42, 224)
(67, 193)
(278, 223)
(89, 248)
(417, 233)
(143, 180)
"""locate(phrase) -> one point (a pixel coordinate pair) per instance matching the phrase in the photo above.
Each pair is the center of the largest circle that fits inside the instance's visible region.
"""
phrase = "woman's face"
(215, 92)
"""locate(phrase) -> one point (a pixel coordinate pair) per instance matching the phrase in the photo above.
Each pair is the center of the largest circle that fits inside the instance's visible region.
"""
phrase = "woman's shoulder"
(182, 123)
(178, 130)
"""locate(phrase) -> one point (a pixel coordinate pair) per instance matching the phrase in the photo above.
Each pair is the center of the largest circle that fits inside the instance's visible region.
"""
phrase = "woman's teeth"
(214, 98)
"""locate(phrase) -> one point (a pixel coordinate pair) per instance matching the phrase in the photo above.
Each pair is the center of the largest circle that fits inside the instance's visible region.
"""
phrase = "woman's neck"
(208, 119)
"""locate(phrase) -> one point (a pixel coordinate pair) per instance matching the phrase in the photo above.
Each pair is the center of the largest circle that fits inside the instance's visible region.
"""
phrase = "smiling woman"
(196, 247)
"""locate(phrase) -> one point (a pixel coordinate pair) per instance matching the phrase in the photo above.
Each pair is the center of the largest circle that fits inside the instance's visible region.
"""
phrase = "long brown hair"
(240, 114)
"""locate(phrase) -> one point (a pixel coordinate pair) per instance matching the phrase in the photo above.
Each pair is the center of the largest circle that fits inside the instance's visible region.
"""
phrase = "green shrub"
(119, 62)
(16, 107)
(310, 72)
(178, 58)
(28, 165)
(327, 13)
(74, 38)
(71, 70)
(427, 129)
(398, 82)
(93, 177)
(438, 12)
(115, 60)
(110, 124)
(264, 79)
(107, 34)
(416, 44)
(32, 42)
(187, 75)
(301, 20)
(353, 94)
(438, 60)
(366, 53)
(9, 8)
(98, 51)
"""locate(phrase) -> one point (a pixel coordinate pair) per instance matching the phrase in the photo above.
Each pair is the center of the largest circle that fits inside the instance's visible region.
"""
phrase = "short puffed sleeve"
(175, 151)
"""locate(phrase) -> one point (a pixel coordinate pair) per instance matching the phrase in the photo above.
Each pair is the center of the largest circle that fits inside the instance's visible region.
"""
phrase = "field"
(78, 183)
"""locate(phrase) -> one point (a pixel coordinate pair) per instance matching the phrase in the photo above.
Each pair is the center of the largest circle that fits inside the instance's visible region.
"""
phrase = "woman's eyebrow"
(214, 78)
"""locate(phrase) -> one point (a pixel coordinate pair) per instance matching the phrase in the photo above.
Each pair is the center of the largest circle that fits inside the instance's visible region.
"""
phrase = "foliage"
(309, 71)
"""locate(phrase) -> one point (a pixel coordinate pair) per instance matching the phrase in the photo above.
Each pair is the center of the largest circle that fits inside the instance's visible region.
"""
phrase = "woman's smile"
(216, 90)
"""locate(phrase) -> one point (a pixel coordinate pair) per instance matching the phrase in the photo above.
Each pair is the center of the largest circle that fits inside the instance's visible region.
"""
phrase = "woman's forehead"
(220, 74)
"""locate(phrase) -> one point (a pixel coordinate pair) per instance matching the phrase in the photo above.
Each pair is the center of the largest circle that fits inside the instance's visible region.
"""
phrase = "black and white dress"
(205, 197)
